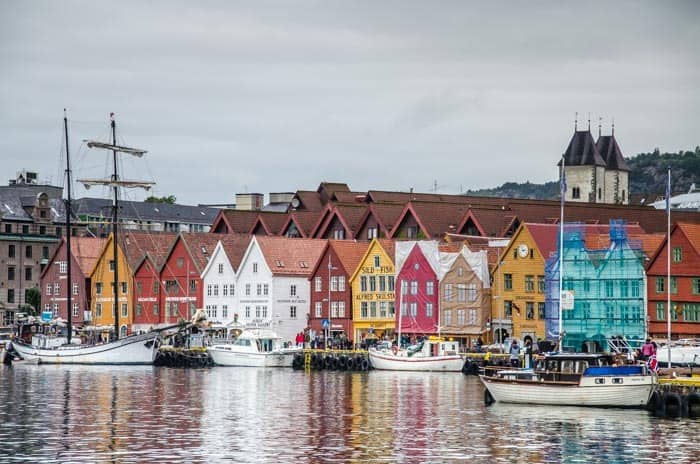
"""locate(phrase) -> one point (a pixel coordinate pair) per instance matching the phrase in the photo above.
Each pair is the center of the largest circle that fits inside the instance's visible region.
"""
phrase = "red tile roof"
(272, 221)
(235, 246)
(136, 244)
(200, 247)
(546, 237)
(286, 256)
(692, 231)
(310, 201)
(388, 246)
(239, 220)
(349, 253)
(86, 251)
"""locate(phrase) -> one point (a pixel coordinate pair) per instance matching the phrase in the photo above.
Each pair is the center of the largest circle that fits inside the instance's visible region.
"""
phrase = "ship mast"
(68, 212)
(116, 183)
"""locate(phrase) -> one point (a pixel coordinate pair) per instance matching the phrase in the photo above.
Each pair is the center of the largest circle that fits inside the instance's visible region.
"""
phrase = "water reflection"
(145, 414)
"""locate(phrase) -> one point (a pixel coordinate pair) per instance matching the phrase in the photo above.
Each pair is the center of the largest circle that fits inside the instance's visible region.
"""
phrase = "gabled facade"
(331, 292)
(219, 279)
(181, 275)
(608, 288)
(273, 283)
(148, 288)
(465, 296)
(373, 292)
(684, 285)
(417, 275)
(54, 280)
(519, 283)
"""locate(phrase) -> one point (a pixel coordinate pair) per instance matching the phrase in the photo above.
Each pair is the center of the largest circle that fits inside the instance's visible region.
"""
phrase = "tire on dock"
(673, 404)
(693, 405)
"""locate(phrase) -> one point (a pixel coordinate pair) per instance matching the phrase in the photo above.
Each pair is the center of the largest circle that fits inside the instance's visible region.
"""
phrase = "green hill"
(647, 177)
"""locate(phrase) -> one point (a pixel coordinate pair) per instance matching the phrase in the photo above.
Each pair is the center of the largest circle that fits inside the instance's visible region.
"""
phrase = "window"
(319, 309)
(27, 273)
(363, 310)
(508, 282)
(48, 289)
(180, 262)
(111, 265)
(10, 250)
(341, 282)
(76, 308)
(139, 288)
(266, 289)
(124, 287)
(193, 285)
(363, 283)
(56, 288)
(371, 233)
(98, 310)
(257, 312)
(247, 289)
(210, 289)
(660, 287)
(391, 309)
(293, 290)
(660, 311)
(382, 283)
(414, 309)
(390, 280)
(341, 309)
(98, 288)
(576, 193)
(139, 309)
(414, 287)
(334, 309)
(255, 268)
(429, 310)
(540, 311)
(258, 289)
(430, 287)
(221, 268)
(471, 292)
(696, 286)
(529, 310)
(677, 254)
(75, 289)
(231, 290)
(318, 284)
(25, 229)
(125, 311)
(63, 267)
(339, 234)
(372, 283)
(224, 290)
(8, 230)
(376, 261)
(448, 317)
(460, 271)
(155, 309)
(600, 193)
(508, 308)
(10, 273)
(461, 292)
(292, 312)
(448, 292)
(224, 311)
(624, 286)
(216, 289)
(609, 288)
(635, 288)
(404, 307)
(247, 312)
(472, 317)
(674, 284)
(373, 309)
(461, 320)
(156, 287)
(334, 284)
(28, 251)
(411, 231)
(529, 284)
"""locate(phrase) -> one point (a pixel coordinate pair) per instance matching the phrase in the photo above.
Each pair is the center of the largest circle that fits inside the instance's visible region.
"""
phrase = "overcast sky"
(264, 96)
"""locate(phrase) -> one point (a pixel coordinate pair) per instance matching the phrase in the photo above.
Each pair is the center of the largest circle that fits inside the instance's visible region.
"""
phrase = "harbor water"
(154, 414)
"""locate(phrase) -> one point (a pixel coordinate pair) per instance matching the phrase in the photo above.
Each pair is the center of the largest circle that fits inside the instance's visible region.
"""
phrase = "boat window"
(567, 366)
(599, 381)
(242, 342)
(581, 366)
(617, 380)
(552, 366)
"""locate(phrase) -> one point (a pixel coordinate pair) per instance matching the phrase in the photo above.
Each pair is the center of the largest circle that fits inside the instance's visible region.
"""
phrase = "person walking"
(514, 354)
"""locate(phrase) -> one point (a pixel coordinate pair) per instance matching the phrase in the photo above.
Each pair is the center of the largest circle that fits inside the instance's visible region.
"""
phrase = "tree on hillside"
(170, 199)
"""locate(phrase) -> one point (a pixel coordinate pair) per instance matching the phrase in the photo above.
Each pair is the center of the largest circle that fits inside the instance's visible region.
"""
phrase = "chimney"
(249, 201)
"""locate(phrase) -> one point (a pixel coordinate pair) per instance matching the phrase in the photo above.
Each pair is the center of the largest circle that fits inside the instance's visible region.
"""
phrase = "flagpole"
(562, 178)
(668, 266)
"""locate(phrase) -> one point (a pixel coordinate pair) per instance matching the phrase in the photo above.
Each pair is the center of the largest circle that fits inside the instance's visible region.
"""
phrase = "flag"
(652, 363)
(668, 193)
(563, 180)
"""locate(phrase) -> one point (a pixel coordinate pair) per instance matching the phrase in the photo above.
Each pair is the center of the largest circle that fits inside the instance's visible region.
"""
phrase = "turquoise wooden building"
(608, 288)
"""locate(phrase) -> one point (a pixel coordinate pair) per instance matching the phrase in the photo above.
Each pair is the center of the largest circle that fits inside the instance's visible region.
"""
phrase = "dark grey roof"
(276, 207)
(17, 200)
(610, 151)
(582, 151)
(143, 211)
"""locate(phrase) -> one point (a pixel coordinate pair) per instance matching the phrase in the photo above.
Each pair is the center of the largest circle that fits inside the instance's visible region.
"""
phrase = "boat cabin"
(571, 366)
(434, 346)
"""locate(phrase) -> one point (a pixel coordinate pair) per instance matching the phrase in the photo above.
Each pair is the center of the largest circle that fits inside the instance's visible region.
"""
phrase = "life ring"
(394, 349)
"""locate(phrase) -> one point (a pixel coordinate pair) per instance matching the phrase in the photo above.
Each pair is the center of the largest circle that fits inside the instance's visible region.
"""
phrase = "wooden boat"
(573, 379)
(254, 348)
(432, 354)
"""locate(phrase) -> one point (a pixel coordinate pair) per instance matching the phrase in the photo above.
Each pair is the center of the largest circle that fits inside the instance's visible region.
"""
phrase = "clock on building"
(523, 250)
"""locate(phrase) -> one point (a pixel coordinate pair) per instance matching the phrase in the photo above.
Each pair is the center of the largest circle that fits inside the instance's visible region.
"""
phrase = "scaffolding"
(608, 286)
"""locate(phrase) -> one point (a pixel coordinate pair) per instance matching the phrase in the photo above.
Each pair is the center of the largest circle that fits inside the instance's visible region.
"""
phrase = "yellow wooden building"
(373, 294)
(518, 287)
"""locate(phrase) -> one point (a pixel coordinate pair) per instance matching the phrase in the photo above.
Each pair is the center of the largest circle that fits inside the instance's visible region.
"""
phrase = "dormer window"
(279, 263)
(376, 261)
(303, 264)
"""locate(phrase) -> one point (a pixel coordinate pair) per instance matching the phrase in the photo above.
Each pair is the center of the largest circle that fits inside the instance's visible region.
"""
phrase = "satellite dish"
(295, 202)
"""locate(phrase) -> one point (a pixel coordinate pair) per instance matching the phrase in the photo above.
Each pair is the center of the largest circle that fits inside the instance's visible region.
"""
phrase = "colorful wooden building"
(331, 293)
(373, 293)
(54, 278)
(684, 285)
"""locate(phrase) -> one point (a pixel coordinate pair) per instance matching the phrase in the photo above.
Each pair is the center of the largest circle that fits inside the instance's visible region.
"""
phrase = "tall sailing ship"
(135, 349)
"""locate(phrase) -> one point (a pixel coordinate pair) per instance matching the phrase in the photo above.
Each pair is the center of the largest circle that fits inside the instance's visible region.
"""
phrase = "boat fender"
(342, 363)
(673, 404)
(365, 364)
(358, 363)
(350, 363)
(654, 401)
(693, 405)
(327, 362)
(488, 399)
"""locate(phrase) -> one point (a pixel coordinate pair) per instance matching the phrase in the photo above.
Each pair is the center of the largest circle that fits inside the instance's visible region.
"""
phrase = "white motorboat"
(433, 354)
(572, 379)
(254, 348)
(136, 349)
(684, 352)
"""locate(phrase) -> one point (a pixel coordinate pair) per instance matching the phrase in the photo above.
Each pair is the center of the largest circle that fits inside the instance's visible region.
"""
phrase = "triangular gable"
(61, 243)
(217, 250)
(107, 246)
(403, 217)
(470, 224)
(375, 244)
(220, 225)
(259, 228)
(428, 248)
(327, 210)
(292, 221)
(478, 261)
(330, 219)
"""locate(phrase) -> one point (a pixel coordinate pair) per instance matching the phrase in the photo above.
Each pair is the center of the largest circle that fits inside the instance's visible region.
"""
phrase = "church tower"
(616, 170)
(585, 169)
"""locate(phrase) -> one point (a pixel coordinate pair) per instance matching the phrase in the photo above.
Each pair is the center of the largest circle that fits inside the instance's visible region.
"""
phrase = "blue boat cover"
(613, 370)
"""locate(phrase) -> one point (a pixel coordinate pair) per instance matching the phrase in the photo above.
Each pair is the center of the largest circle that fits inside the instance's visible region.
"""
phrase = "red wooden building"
(180, 275)
(344, 257)
(684, 283)
(417, 267)
(148, 310)
(54, 278)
